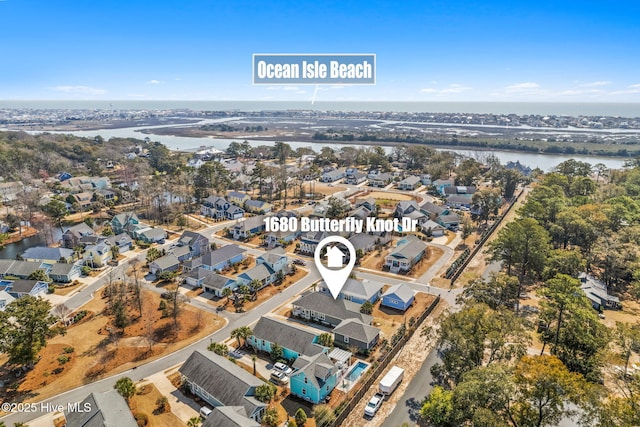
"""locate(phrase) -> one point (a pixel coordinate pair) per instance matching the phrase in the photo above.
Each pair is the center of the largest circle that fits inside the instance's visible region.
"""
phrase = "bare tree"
(61, 311)
(136, 286)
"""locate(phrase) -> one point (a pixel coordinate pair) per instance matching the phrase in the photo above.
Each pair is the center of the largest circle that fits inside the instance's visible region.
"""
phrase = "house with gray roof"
(229, 416)
(450, 221)
(380, 180)
(333, 175)
(597, 293)
(65, 273)
(357, 290)
(169, 262)
(197, 243)
(107, 409)
(353, 333)
(219, 382)
(434, 228)
(257, 206)
(123, 241)
(72, 237)
(24, 269)
(364, 242)
(5, 299)
(23, 287)
(434, 210)
(151, 235)
(244, 229)
(314, 377)
(399, 297)
(320, 307)
(217, 283)
(408, 251)
(369, 203)
(47, 255)
(410, 209)
(296, 340)
(222, 258)
(410, 183)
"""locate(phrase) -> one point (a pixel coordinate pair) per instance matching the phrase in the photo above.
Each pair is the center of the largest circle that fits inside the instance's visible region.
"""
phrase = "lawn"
(94, 353)
(388, 319)
(144, 402)
(373, 261)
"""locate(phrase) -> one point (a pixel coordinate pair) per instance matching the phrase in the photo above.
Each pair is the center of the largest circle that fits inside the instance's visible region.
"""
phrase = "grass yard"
(144, 402)
(373, 261)
(388, 319)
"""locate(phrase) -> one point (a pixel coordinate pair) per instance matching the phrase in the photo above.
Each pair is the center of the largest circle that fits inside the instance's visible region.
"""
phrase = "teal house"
(313, 378)
(294, 340)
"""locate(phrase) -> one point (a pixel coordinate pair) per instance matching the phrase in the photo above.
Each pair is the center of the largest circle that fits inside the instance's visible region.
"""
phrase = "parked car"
(299, 261)
(374, 404)
(282, 368)
(279, 378)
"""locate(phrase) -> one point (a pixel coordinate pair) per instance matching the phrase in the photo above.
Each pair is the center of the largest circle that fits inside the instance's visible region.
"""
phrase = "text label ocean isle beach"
(314, 69)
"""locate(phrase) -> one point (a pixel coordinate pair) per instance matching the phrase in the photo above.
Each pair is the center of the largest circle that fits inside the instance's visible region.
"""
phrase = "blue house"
(276, 259)
(399, 297)
(222, 258)
(314, 377)
(296, 341)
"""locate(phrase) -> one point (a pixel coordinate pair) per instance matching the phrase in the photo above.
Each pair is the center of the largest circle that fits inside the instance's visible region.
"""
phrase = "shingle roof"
(108, 409)
(216, 281)
(61, 268)
(339, 309)
(22, 268)
(44, 252)
(225, 381)
(364, 288)
(223, 254)
(357, 330)
(409, 248)
(273, 256)
(81, 229)
(229, 416)
(316, 368)
(250, 223)
(287, 335)
(181, 251)
(166, 261)
(362, 240)
(402, 291)
(154, 233)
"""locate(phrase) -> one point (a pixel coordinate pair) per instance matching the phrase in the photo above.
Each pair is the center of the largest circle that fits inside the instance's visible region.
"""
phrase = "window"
(345, 339)
(305, 380)
(304, 390)
(263, 343)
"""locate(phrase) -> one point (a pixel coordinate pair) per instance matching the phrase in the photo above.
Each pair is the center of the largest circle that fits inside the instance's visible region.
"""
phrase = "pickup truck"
(374, 404)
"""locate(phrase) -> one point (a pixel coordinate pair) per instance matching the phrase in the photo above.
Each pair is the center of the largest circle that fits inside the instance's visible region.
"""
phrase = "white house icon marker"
(335, 257)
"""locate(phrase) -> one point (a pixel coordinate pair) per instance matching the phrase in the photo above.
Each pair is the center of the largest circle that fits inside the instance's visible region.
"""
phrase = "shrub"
(141, 419)
(68, 350)
(63, 359)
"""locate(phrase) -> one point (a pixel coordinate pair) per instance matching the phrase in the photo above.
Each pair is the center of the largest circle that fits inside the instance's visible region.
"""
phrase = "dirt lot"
(374, 261)
(93, 354)
(388, 319)
(144, 402)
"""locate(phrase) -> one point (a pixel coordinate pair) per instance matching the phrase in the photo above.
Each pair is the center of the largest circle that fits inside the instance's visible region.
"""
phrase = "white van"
(205, 412)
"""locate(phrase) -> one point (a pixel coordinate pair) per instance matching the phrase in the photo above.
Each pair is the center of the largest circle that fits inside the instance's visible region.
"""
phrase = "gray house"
(322, 308)
(353, 333)
(229, 416)
(295, 340)
(219, 382)
(410, 183)
(169, 262)
(197, 243)
(107, 409)
(407, 253)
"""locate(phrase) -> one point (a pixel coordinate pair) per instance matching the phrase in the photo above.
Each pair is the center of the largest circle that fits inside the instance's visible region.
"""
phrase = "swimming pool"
(357, 370)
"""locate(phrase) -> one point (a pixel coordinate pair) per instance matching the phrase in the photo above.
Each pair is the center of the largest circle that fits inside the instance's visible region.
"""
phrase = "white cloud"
(570, 92)
(292, 88)
(596, 84)
(636, 86)
(154, 82)
(80, 90)
(522, 87)
(451, 89)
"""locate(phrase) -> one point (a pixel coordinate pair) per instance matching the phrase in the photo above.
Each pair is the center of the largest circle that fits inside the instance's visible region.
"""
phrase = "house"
(71, 237)
(244, 229)
(123, 241)
(357, 291)
(106, 194)
(441, 184)
(276, 259)
(295, 340)
(309, 241)
(450, 221)
(410, 183)
(229, 416)
(261, 273)
(369, 203)
(524, 170)
(197, 243)
(361, 213)
(23, 287)
(238, 198)
(459, 189)
(195, 163)
(219, 382)
(5, 299)
(257, 206)
(220, 208)
(314, 378)
(84, 200)
(460, 200)
(196, 276)
(333, 176)
(222, 258)
(407, 253)
(108, 409)
(355, 177)
(281, 238)
(380, 180)
(44, 254)
(320, 307)
(410, 209)
(125, 222)
(216, 283)
(597, 293)
(434, 210)
(97, 255)
(399, 297)
(183, 253)
(434, 228)
(20, 269)
(169, 262)
(353, 333)
(425, 179)
(363, 242)
(151, 235)
(64, 273)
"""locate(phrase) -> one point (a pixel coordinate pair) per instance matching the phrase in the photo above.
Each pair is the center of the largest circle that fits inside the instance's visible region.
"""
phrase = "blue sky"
(547, 51)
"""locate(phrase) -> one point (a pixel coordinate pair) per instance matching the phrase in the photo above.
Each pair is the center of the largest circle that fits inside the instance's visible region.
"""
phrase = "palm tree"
(193, 422)
(253, 359)
(226, 292)
(243, 332)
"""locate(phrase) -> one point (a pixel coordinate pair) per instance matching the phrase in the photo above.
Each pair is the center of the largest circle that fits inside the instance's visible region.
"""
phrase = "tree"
(271, 417)
(437, 409)
(227, 292)
(564, 261)
(500, 291)
(478, 336)
(220, 349)
(125, 387)
(61, 311)
(162, 404)
(325, 339)
(337, 207)
(39, 275)
(115, 251)
(467, 229)
(26, 327)
(56, 210)
(277, 352)
(366, 307)
(241, 333)
(486, 201)
(153, 254)
(627, 338)
(254, 358)
(467, 171)
(194, 422)
(266, 392)
(300, 417)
